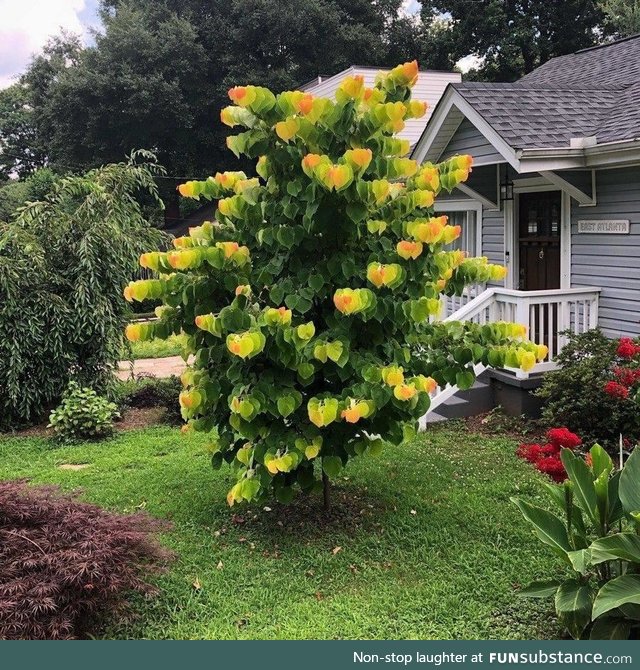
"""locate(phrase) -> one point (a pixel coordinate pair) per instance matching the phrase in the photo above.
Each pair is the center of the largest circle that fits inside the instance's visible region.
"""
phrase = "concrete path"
(152, 367)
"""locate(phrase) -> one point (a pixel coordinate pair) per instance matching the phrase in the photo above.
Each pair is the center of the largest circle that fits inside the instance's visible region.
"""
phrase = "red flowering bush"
(546, 458)
(625, 385)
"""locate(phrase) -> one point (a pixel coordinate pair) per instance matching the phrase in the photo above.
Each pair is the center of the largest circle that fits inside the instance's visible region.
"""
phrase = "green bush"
(82, 415)
(152, 392)
(574, 395)
(62, 266)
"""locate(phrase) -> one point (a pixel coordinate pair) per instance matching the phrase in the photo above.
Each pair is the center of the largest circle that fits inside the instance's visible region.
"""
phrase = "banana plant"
(595, 531)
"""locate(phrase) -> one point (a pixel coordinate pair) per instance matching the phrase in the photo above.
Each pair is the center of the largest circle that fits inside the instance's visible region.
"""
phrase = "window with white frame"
(466, 215)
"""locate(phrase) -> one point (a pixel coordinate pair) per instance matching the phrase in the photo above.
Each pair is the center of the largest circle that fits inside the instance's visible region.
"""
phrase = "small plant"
(592, 392)
(83, 415)
(64, 563)
(546, 458)
(596, 534)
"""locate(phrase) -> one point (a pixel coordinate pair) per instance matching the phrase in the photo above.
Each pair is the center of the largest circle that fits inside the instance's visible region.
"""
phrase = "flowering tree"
(322, 342)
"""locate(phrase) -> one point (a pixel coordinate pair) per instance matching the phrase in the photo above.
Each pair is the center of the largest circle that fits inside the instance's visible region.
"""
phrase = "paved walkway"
(152, 367)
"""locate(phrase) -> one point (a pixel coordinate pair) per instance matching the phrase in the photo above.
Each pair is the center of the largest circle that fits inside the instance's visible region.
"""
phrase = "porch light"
(506, 189)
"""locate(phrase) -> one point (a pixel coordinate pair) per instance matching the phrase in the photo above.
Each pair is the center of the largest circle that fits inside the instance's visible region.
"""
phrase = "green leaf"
(331, 465)
(617, 592)
(580, 560)
(625, 546)
(574, 602)
(548, 527)
(316, 282)
(582, 480)
(286, 405)
(541, 589)
(610, 628)
(629, 489)
(600, 460)
(465, 380)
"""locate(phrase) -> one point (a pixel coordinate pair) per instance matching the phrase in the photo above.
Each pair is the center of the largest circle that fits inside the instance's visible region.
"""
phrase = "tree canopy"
(513, 37)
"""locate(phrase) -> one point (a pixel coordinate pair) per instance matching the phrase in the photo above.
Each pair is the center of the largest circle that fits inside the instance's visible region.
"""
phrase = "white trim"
(467, 190)
(453, 100)
(565, 240)
(510, 246)
(464, 206)
(567, 187)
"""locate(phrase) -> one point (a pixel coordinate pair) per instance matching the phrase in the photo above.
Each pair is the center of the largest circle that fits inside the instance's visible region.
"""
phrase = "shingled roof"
(593, 92)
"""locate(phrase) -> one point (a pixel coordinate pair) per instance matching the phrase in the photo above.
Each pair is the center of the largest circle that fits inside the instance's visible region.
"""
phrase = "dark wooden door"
(539, 234)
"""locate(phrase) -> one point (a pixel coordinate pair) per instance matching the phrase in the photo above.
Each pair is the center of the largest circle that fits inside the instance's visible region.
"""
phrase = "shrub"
(153, 392)
(595, 533)
(575, 394)
(322, 342)
(82, 415)
(62, 266)
(65, 564)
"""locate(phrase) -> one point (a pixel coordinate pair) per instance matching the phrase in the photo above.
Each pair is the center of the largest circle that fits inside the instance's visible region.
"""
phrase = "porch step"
(476, 400)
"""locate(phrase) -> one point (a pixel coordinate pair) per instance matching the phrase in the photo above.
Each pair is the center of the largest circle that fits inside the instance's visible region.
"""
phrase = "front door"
(539, 235)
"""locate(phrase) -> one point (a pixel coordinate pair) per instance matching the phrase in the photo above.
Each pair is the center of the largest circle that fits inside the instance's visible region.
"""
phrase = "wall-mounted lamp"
(506, 189)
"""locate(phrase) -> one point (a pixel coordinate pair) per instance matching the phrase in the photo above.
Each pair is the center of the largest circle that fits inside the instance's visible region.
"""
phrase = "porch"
(547, 314)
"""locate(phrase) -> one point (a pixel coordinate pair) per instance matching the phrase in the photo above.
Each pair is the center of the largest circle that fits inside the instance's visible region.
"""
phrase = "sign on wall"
(609, 226)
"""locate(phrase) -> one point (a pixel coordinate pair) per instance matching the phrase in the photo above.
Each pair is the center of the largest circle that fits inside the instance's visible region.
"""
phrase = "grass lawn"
(156, 348)
(422, 543)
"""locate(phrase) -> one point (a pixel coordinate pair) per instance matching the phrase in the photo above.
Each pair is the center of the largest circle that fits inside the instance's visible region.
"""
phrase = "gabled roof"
(614, 65)
(566, 106)
(528, 118)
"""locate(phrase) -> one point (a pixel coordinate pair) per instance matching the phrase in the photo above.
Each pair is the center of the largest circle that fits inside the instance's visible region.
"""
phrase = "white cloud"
(26, 25)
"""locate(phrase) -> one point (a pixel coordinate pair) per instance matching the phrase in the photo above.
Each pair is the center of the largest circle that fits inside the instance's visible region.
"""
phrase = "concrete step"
(476, 400)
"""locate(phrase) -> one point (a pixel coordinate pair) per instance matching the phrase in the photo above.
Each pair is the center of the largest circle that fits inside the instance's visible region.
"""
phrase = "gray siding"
(493, 238)
(611, 262)
(469, 140)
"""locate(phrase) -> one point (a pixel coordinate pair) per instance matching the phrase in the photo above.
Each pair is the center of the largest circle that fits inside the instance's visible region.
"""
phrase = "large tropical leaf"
(625, 546)
(582, 480)
(629, 483)
(600, 460)
(548, 527)
(574, 601)
(541, 589)
(610, 628)
(615, 506)
(580, 560)
(617, 592)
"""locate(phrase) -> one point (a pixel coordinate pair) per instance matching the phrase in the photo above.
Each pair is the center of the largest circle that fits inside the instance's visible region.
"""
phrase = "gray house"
(554, 194)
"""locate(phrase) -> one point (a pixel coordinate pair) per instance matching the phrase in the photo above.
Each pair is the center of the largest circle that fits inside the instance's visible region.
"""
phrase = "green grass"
(446, 571)
(156, 348)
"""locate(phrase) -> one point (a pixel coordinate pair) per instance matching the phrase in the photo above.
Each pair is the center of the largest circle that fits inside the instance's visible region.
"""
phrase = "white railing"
(452, 303)
(546, 314)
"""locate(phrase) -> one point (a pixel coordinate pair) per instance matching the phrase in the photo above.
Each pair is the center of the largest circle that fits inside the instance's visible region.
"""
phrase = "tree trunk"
(325, 492)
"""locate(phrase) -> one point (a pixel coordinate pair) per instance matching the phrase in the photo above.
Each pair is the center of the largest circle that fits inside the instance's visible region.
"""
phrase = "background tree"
(62, 264)
(513, 37)
(15, 193)
(623, 16)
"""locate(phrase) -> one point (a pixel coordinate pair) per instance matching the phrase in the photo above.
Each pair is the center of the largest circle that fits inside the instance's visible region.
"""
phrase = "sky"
(26, 25)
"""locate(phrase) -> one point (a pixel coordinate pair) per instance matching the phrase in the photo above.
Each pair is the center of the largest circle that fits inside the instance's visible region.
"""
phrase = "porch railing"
(546, 314)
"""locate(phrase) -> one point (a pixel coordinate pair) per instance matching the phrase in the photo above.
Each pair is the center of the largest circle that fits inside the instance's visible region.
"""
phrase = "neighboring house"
(554, 193)
(429, 88)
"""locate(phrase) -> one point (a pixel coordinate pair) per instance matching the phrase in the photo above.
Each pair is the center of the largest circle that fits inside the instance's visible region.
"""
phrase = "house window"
(467, 220)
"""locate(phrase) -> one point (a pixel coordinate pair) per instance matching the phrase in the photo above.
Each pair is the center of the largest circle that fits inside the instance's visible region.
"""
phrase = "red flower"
(552, 466)
(626, 348)
(563, 437)
(616, 390)
(550, 450)
(627, 376)
(530, 452)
